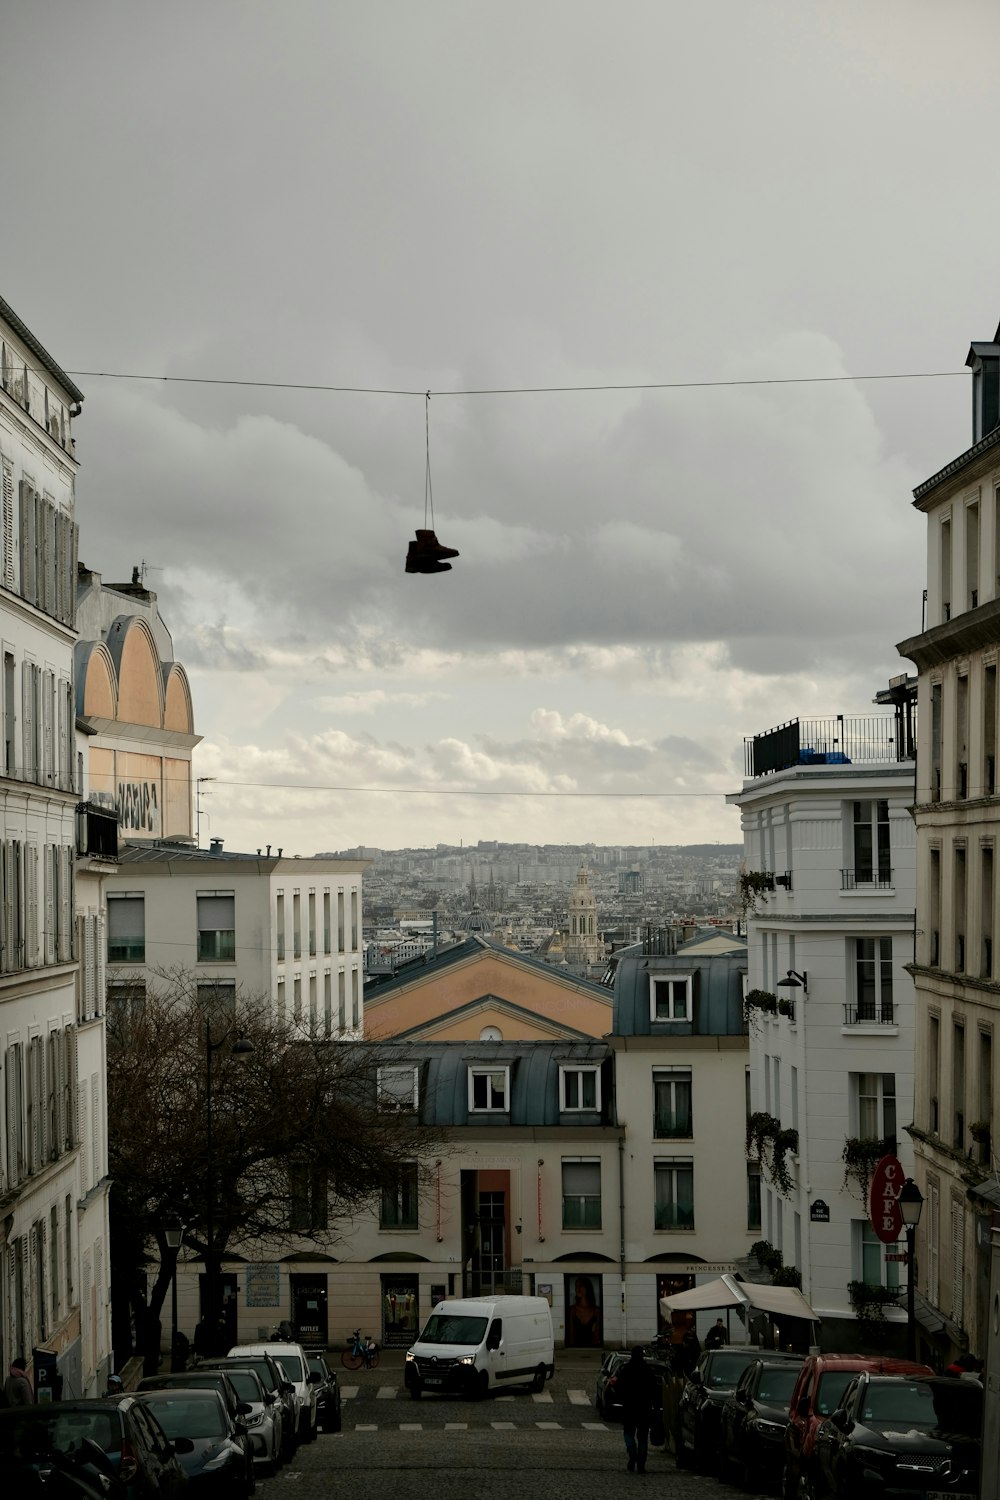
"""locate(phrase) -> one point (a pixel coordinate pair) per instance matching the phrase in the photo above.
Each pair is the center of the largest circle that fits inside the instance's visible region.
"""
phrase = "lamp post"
(911, 1201)
(241, 1050)
(173, 1233)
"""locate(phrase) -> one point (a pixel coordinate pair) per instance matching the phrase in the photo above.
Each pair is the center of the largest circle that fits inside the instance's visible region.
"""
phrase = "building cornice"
(984, 449)
(974, 630)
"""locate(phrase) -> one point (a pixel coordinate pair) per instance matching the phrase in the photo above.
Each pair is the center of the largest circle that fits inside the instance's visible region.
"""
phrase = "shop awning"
(726, 1291)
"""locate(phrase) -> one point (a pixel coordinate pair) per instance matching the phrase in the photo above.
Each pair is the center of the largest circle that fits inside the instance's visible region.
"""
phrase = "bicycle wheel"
(373, 1358)
(351, 1359)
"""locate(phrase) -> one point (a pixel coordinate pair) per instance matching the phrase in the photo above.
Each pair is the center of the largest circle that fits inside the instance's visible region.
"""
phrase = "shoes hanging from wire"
(425, 553)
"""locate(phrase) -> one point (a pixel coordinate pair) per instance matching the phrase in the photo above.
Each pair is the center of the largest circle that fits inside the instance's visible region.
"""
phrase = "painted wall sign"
(883, 1201)
(138, 804)
(819, 1212)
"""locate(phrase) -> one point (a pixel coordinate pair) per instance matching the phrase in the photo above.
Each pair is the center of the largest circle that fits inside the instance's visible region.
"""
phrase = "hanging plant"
(861, 1157)
(761, 1250)
(786, 1008)
(980, 1132)
(869, 1301)
(770, 1145)
(788, 1276)
(754, 886)
(759, 1001)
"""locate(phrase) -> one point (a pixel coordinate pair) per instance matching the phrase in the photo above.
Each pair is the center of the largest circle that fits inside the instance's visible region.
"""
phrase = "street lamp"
(240, 1051)
(793, 980)
(911, 1201)
(173, 1233)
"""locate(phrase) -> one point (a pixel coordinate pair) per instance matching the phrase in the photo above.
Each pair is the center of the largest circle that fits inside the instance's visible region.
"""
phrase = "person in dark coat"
(717, 1336)
(641, 1392)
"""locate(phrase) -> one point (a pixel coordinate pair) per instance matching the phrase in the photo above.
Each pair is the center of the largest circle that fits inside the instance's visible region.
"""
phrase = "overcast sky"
(452, 196)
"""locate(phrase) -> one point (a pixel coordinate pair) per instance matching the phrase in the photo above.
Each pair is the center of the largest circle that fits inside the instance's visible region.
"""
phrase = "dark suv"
(754, 1421)
(906, 1436)
(822, 1382)
(711, 1382)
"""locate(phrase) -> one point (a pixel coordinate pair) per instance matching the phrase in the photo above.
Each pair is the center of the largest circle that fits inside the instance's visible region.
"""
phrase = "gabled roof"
(497, 1005)
(431, 964)
(39, 350)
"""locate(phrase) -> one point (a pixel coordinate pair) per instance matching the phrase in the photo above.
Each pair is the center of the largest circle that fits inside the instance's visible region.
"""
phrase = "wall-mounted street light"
(173, 1234)
(911, 1201)
(793, 980)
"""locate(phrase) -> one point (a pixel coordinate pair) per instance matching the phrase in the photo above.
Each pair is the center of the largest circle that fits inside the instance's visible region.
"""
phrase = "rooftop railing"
(866, 739)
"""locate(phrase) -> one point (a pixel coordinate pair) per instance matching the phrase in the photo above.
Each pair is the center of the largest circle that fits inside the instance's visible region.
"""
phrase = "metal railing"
(841, 740)
(96, 831)
(870, 1015)
(867, 879)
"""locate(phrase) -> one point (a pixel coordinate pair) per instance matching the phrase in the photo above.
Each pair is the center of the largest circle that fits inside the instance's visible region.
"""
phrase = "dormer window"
(398, 1087)
(579, 1088)
(489, 1090)
(670, 997)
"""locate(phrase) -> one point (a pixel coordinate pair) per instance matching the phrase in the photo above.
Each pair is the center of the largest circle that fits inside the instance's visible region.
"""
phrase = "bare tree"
(278, 1144)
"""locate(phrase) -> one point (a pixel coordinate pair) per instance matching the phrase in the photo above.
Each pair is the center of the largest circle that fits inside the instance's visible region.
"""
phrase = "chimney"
(984, 362)
(215, 846)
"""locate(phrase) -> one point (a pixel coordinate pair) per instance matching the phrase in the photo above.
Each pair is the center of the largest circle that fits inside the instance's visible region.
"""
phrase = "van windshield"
(444, 1328)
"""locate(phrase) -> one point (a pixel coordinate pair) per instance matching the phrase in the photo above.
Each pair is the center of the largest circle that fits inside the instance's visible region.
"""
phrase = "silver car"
(264, 1419)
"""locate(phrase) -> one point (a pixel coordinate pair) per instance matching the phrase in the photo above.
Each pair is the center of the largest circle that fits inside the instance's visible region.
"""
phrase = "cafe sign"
(883, 1201)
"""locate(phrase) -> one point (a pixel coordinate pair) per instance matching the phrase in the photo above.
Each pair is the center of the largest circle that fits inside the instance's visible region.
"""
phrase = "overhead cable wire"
(515, 390)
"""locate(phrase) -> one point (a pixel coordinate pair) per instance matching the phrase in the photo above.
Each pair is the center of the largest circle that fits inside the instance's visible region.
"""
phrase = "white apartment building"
(53, 1178)
(957, 815)
(255, 925)
(830, 873)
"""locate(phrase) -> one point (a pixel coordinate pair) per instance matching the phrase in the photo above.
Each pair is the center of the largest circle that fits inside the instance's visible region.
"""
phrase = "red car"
(822, 1382)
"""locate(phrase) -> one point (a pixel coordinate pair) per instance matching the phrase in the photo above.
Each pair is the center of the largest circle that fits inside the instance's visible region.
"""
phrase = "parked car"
(140, 1452)
(324, 1380)
(711, 1382)
(292, 1359)
(216, 1461)
(822, 1381)
(754, 1422)
(211, 1380)
(607, 1400)
(264, 1417)
(899, 1435)
(274, 1382)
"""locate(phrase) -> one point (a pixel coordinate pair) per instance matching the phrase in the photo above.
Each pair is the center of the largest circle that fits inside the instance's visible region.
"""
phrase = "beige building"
(957, 813)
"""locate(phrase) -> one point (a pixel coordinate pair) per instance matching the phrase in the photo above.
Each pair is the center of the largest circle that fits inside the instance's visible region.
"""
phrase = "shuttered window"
(217, 926)
(127, 928)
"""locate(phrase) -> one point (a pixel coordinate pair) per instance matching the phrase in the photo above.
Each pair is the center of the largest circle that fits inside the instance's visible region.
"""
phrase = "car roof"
(859, 1363)
(196, 1393)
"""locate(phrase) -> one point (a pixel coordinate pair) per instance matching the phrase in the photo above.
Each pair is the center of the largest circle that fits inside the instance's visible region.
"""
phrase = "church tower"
(584, 947)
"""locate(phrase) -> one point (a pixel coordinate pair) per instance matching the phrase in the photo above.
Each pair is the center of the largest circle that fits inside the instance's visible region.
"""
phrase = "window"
(986, 911)
(579, 1088)
(312, 924)
(127, 929)
(875, 1094)
(296, 925)
(872, 855)
(488, 1090)
(132, 992)
(217, 926)
(670, 997)
(217, 997)
(960, 909)
(673, 1193)
(326, 921)
(958, 1083)
(962, 736)
(581, 1193)
(936, 740)
(399, 1205)
(279, 926)
(934, 955)
(671, 1103)
(874, 1260)
(753, 1195)
(946, 569)
(972, 555)
(873, 970)
(308, 1198)
(990, 730)
(398, 1087)
(933, 1072)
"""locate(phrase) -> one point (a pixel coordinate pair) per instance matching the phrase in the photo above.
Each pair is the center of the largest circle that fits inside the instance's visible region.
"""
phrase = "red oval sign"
(883, 1200)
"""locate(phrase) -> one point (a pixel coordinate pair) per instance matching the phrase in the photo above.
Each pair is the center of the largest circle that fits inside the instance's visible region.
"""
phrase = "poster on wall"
(583, 1312)
(544, 1289)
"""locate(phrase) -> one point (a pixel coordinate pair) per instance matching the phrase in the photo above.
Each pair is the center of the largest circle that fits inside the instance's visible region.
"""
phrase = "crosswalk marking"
(503, 1426)
(542, 1398)
(348, 1392)
(386, 1393)
(411, 1426)
(549, 1426)
(366, 1427)
(579, 1398)
(456, 1427)
(595, 1426)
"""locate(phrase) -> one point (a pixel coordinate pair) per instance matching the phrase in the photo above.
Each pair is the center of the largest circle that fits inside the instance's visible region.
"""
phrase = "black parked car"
(712, 1381)
(606, 1398)
(902, 1436)
(216, 1463)
(327, 1393)
(141, 1453)
(754, 1422)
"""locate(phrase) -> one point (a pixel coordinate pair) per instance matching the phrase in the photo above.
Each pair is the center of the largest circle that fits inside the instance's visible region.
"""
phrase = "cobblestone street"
(550, 1445)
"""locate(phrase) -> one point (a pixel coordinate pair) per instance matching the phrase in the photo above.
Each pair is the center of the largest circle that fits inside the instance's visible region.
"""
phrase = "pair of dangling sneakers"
(426, 554)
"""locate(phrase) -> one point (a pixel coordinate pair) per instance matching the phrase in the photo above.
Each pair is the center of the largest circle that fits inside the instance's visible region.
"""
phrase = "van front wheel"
(538, 1384)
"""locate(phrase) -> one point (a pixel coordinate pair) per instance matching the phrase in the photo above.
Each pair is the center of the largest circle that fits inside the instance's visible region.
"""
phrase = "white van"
(475, 1345)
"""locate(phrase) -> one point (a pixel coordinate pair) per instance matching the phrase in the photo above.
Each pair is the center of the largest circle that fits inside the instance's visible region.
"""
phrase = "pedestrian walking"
(17, 1387)
(641, 1394)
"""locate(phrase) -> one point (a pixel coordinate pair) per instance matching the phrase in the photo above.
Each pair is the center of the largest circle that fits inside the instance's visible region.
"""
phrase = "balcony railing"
(674, 1216)
(870, 1015)
(866, 880)
(870, 739)
(581, 1213)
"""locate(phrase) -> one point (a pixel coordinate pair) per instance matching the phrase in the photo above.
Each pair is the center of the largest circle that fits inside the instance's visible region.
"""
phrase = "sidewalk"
(580, 1365)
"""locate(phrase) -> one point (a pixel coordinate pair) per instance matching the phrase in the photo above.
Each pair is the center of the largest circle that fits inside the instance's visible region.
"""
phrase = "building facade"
(53, 1162)
(829, 883)
(957, 815)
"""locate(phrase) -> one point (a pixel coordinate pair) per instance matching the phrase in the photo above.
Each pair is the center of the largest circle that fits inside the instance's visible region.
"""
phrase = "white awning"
(782, 1301)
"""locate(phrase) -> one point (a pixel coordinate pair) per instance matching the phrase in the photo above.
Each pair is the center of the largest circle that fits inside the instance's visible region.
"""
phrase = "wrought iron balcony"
(874, 739)
(883, 1014)
(866, 878)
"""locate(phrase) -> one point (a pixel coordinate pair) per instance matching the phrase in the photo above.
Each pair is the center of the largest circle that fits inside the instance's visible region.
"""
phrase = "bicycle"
(360, 1351)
